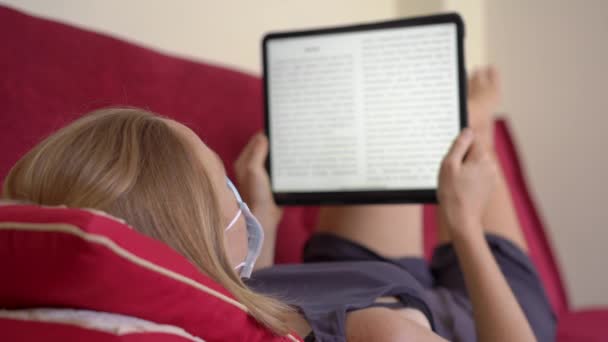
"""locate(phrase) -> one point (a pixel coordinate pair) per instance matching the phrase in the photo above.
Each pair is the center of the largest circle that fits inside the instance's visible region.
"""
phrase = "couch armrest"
(586, 325)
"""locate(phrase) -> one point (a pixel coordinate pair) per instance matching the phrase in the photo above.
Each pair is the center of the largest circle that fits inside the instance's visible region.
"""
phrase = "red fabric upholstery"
(102, 265)
(587, 325)
(52, 73)
(17, 330)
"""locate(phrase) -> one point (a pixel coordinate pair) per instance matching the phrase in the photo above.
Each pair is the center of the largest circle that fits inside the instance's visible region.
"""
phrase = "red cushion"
(18, 330)
(57, 257)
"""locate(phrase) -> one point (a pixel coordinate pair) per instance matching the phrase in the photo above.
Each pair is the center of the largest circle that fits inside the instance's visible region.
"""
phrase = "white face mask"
(255, 234)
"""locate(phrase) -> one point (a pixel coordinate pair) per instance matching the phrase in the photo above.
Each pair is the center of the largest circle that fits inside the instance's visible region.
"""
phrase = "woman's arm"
(466, 180)
(498, 316)
(254, 186)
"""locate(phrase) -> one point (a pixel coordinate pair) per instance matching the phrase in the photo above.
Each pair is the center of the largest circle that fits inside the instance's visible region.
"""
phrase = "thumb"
(259, 151)
(476, 152)
(460, 146)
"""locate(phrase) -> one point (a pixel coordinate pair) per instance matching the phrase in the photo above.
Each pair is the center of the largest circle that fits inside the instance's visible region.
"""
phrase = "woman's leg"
(392, 231)
(500, 217)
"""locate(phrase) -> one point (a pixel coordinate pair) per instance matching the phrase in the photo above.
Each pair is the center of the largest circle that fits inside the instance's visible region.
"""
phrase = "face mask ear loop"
(236, 217)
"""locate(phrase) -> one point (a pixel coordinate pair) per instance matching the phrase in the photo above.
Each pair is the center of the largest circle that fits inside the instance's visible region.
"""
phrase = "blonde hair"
(132, 165)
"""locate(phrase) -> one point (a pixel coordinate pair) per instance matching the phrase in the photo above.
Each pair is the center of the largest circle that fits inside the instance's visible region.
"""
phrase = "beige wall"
(553, 55)
(224, 32)
(554, 58)
(473, 13)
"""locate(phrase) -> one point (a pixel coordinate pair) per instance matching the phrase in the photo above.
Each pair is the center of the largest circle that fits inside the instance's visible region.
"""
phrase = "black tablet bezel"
(375, 196)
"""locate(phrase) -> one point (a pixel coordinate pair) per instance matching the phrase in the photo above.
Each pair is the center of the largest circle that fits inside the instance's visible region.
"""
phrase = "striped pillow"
(76, 259)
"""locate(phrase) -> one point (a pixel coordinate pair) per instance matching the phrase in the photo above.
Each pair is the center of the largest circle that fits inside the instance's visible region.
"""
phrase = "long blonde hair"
(132, 165)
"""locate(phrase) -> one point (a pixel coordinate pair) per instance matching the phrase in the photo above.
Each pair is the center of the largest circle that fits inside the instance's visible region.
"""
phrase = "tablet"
(365, 113)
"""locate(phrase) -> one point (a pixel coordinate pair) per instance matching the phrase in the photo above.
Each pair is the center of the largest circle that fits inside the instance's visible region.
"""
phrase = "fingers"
(253, 155)
(460, 147)
(260, 149)
(246, 152)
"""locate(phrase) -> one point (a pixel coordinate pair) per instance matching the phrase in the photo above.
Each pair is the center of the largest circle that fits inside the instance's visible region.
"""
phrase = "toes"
(482, 77)
(484, 86)
(493, 75)
(478, 81)
(473, 83)
(494, 79)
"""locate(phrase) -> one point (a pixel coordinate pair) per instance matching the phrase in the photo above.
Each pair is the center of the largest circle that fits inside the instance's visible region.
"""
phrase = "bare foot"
(483, 98)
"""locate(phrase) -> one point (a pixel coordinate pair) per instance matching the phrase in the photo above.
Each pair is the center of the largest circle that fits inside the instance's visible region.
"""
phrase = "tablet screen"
(364, 110)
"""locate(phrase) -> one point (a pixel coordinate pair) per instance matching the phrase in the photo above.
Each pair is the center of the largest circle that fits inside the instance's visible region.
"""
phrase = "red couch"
(52, 73)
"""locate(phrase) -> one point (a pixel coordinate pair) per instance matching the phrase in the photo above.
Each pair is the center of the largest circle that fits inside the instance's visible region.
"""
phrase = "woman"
(363, 279)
